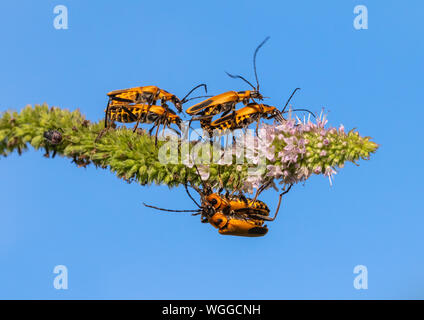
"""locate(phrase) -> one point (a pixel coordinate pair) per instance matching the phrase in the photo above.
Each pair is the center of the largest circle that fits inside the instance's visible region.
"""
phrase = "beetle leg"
(139, 118)
(107, 113)
(103, 131)
(204, 220)
(259, 191)
(226, 112)
(47, 154)
(259, 216)
(156, 136)
(243, 198)
(157, 131)
(257, 126)
(232, 193)
(151, 129)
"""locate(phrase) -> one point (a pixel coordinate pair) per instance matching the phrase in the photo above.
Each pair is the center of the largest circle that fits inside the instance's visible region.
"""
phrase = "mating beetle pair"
(139, 105)
(231, 214)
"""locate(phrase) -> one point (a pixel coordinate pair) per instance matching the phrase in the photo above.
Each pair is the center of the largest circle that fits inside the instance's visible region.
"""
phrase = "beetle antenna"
(240, 77)
(291, 96)
(197, 189)
(200, 85)
(306, 110)
(260, 189)
(169, 210)
(267, 218)
(279, 202)
(254, 60)
(186, 100)
(185, 185)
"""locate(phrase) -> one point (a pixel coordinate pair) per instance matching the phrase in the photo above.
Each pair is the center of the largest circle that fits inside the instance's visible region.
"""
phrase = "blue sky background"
(55, 213)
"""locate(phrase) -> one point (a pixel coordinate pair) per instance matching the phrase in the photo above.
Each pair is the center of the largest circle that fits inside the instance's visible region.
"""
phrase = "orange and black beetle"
(226, 102)
(231, 214)
(146, 95)
(158, 115)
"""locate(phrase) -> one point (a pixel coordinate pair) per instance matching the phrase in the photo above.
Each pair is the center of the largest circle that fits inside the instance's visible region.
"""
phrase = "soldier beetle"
(226, 102)
(231, 214)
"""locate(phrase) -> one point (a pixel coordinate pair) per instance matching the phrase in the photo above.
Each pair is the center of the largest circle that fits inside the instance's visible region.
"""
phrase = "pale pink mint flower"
(274, 171)
(287, 165)
(330, 172)
(204, 172)
(269, 153)
(252, 182)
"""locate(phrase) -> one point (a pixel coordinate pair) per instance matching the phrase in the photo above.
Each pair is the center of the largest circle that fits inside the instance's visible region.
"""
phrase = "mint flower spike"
(293, 150)
(306, 147)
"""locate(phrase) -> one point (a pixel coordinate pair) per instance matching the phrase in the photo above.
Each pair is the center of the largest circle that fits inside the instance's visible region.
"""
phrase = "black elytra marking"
(120, 99)
(260, 205)
(212, 111)
(258, 230)
(226, 211)
(223, 119)
(252, 211)
(199, 106)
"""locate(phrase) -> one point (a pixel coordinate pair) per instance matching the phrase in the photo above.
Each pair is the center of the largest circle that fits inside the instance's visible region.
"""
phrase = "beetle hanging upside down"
(234, 225)
(232, 214)
(236, 215)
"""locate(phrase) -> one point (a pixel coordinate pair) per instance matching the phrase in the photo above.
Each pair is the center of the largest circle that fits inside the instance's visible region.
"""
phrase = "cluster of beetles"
(230, 213)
